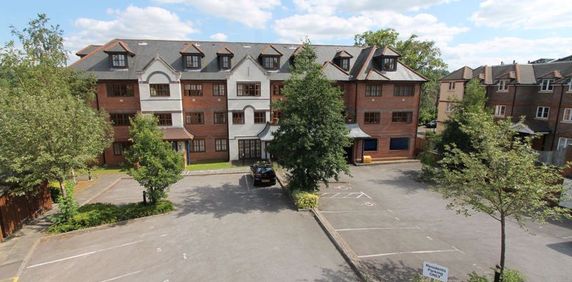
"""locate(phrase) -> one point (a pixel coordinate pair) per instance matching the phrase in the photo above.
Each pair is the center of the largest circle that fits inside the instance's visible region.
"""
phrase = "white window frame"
(500, 110)
(544, 112)
(502, 85)
(569, 86)
(564, 142)
(567, 115)
(547, 85)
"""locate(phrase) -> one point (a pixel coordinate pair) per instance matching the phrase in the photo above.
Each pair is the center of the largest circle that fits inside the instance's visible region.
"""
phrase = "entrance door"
(349, 154)
(249, 149)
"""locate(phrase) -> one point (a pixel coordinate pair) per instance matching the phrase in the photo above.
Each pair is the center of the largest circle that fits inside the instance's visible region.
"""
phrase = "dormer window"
(118, 60)
(389, 64)
(224, 62)
(345, 63)
(502, 86)
(547, 85)
(192, 61)
(270, 62)
(342, 59)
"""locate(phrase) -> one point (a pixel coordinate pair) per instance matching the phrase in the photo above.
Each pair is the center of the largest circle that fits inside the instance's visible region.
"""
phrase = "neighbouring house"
(541, 92)
(214, 99)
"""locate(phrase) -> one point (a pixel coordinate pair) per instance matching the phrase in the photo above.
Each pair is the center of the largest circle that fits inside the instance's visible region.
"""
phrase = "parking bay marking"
(122, 276)
(85, 254)
(377, 228)
(411, 252)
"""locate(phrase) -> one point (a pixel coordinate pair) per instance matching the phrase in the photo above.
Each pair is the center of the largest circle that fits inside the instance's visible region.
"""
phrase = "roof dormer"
(224, 56)
(385, 59)
(192, 56)
(118, 53)
(270, 58)
(342, 59)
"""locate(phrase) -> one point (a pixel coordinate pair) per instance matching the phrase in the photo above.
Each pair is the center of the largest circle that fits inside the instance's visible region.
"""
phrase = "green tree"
(47, 126)
(154, 163)
(500, 176)
(312, 135)
(421, 55)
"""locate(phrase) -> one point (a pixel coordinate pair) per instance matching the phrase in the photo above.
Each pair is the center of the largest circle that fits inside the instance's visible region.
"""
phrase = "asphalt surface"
(394, 223)
(223, 230)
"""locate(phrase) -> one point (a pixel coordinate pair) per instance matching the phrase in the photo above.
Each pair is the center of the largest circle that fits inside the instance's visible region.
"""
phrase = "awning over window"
(176, 133)
(356, 132)
(532, 127)
(267, 134)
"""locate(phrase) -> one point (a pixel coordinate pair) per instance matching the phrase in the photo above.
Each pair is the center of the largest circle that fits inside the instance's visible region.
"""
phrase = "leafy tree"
(154, 163)
(312, 135)
(423, 56)
(500, 176)
(47, 126)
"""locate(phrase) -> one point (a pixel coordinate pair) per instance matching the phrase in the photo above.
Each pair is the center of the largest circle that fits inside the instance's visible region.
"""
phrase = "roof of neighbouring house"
(176, 133)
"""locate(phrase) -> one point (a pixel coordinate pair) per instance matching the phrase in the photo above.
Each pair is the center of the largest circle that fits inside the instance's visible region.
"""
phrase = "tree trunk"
(62, 188)
(503, 245)
(73, 176)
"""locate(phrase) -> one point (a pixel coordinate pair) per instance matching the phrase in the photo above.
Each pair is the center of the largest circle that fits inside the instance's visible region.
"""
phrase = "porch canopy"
(532, 127)
(355, 132)
(176, 133)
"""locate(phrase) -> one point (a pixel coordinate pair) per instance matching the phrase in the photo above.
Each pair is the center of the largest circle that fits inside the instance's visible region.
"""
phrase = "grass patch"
(209, 166)
(97, 214)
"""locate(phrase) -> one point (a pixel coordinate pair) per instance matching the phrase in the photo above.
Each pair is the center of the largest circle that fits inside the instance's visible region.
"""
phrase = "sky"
(468, 32)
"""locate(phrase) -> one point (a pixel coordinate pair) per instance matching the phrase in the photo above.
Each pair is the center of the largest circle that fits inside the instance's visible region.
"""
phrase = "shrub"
(509, 275)
(99, 213)
(66, 204)
(305, 200)
(475, 277)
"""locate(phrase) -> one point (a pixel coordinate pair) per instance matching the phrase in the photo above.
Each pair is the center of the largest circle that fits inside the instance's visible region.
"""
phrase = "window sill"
(538, 118)
(546, 91)
(502, 91)
(566, 121)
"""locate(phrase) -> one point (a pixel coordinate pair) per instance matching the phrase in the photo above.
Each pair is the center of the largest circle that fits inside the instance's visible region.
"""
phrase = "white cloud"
(219, 37)
(133, 22)
(527, 14)
(506, 49)
(252, 13)
(329, 7)
(321, 28)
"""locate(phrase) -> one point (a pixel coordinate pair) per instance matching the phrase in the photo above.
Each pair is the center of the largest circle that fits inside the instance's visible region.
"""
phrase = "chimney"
(501, 63)
(514, 62)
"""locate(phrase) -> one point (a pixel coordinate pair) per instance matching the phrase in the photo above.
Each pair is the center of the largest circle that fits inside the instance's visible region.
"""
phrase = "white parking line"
(122, 276)
(567, 237)
(376, 228)
(344, 195)
(412, 252)
(85, 254)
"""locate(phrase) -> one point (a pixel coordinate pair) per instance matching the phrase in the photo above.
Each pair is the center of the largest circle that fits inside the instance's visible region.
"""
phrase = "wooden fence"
(16, 210)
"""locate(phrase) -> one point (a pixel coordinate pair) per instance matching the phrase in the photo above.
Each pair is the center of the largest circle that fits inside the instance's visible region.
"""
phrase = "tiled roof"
(464, 73)
(176, 133)
(144, 51)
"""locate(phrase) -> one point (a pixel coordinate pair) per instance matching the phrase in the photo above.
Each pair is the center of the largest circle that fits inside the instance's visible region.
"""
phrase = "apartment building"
(541, 92)
(214, 99)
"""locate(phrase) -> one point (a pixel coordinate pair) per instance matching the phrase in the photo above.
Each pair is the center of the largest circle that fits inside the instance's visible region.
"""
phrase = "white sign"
(435, 271)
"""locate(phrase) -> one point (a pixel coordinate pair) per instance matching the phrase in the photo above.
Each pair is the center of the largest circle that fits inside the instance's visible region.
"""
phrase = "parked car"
(263, 174)
(431, 124)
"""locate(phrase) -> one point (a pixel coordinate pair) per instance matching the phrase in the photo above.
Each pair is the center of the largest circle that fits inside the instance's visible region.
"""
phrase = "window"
(547, 85)
(344, 63)
(119, 90)
(224, 62)
(500, 110)
(450, 107)
(118, 60)
(570, 86)
(238, 118)
(276, 115)
(502, 86)
(389, 64)
(219, 89)
(195, 118)
(277, 89)
(270, 62)
(451, 86)
(198, 145)
(164, 119)
(193, 89)
(249, 149)
(119, 148)
(193, 61)
(373, 90)
(120, 119)
(564, 142)
(567, 115)
(401, 117)
(403, 90)
(259, 117)
(370, 144)
(159, 90)
(219, 118)
(371, 117)
(401, 143)
(248, 88)
(220, 145)
(542, 112)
